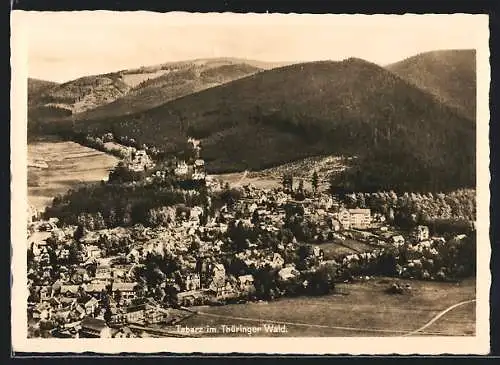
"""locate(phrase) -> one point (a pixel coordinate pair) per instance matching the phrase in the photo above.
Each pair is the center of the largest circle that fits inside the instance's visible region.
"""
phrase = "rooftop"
(93, 324)
(359, 211)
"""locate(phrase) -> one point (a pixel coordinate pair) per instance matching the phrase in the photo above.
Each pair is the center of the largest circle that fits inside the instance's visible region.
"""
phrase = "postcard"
(250, 183)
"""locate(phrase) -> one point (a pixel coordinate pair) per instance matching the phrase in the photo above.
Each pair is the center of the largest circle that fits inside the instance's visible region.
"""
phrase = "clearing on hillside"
(68, 164)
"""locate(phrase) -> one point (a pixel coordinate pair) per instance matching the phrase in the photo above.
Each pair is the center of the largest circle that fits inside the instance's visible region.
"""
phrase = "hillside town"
(89, 280)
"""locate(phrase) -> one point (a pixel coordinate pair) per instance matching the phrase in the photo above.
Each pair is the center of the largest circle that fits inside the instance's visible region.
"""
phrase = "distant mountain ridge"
(37, 86)
(449, 75)
(168, 86)
(149, 86)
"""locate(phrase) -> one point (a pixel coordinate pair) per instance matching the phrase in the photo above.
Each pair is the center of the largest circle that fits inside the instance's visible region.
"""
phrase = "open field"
(238, 179)
(68, 165)
(366, 311)
(337, 248)
(300, 169)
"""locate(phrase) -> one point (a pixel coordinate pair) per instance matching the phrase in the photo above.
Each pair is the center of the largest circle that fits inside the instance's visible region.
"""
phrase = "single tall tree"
(287, 182)
(315, 182)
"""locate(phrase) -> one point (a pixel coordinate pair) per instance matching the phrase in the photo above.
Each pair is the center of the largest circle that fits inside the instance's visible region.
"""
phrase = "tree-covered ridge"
(36, 87)
(345, 108)
(449, 75)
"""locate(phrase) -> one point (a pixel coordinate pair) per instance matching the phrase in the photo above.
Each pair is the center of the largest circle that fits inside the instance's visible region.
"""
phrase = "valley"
(352, 314)
(289, 195)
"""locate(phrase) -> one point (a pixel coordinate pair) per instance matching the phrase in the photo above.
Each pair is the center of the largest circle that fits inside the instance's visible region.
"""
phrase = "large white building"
(355, 218)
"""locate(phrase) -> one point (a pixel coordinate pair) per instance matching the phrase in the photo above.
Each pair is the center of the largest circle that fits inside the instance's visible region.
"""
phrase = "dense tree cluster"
(118, 204)
(397, 168)
(438, 260)
(443, 212)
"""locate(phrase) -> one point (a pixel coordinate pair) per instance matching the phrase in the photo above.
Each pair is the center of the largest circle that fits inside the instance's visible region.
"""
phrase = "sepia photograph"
(267, 183)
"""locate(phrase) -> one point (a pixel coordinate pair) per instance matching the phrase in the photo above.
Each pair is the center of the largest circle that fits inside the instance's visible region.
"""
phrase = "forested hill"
(280, 115)
(450, 75)
(37, 87)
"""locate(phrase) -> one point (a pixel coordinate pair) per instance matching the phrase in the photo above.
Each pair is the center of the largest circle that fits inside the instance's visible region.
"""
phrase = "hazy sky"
(66, 45)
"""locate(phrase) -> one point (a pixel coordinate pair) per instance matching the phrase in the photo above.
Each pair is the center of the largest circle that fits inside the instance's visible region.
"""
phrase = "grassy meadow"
(366, 310)
(68, 164)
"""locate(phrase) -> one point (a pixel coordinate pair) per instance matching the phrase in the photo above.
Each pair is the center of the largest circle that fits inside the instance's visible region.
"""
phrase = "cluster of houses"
(194, 169)
(78, 290)
(84, 286)
(417, 256)
(102, 283)
(87, 287)
(139, 161)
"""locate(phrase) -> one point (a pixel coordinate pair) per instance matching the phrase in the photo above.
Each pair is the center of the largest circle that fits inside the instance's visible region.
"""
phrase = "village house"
(360, 218)
(156, 314)
(121, 272)
(78, 312)
(189, 298)
(42, 311)
(140, 161)
(80, 276)
(91, 306)
(379, 218)
(94, 288)
(324, 202)
(125, 291)
(58, 235)
(63, 315)
(195, 213)
(226, 292)
(344, 218)
(33, 214)
(69, 290)
(103, 273)
(181, 168)
(90, 238)
(45, 293)
(288, 273)
(46, 226)
(397, 240)
(318, 252)
(62, 254)
(420, 233)
(135, 314)
(218, 276)
(192, 282)
(94, 328)
(199, 167)
(134, 255)
(355, 218)
(277, 261)
(93, 252)
(334, 224)
(246, 283)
